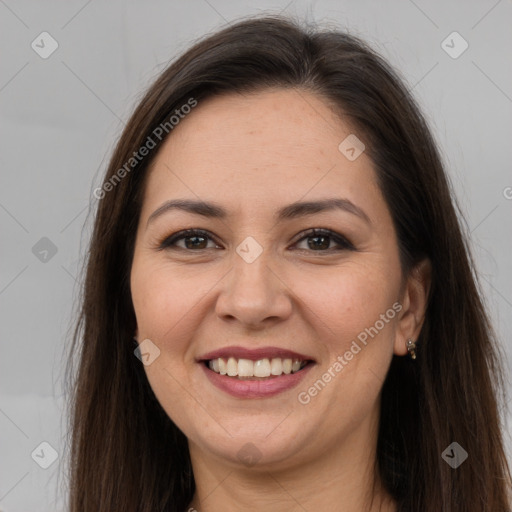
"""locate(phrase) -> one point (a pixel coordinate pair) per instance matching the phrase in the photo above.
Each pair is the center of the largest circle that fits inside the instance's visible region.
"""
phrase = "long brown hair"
(126, 454)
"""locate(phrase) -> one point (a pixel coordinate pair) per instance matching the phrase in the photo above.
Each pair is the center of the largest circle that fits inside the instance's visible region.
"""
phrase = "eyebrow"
(291, 211)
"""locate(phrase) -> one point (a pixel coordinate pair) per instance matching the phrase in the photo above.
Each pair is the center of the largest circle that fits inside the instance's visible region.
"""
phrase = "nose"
(254, 294)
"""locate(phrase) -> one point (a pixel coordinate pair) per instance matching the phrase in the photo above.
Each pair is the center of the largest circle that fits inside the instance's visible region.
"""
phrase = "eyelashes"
(200, 237)
(170, 242)
(322, 234)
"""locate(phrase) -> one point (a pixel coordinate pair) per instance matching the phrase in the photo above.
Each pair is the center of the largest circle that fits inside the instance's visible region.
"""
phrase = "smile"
(262, 368)
(255, 373)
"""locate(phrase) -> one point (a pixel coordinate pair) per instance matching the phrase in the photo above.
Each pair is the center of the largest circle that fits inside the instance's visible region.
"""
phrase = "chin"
(261, 444)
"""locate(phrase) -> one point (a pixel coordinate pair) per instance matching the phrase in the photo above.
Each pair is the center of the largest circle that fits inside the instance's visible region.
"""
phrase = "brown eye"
(319, 240)
(194, 239)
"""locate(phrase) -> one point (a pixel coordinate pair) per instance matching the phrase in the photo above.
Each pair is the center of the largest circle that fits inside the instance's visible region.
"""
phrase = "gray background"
(60, 117)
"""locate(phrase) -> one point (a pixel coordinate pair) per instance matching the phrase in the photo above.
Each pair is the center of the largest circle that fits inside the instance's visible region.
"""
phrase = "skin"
(254, 154)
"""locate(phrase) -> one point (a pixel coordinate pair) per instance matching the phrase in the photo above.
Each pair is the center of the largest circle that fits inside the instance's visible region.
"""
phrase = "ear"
(414, 304)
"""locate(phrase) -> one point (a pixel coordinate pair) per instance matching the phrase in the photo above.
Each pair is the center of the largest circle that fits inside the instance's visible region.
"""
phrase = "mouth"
(246, 369)
(260, 373)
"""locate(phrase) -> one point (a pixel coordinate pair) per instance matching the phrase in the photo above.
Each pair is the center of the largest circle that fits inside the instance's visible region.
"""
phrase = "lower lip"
(255, 388)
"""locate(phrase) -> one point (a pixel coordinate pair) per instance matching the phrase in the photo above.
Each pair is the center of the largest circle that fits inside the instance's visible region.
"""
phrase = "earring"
(411, 348)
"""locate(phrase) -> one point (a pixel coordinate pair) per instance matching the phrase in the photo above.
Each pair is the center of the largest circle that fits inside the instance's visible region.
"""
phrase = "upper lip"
(254, 354)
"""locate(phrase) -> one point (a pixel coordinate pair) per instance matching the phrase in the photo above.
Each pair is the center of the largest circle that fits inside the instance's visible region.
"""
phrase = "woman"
(279, 310)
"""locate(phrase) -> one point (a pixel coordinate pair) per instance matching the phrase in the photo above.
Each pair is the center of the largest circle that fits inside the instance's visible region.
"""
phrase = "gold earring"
(411, 348)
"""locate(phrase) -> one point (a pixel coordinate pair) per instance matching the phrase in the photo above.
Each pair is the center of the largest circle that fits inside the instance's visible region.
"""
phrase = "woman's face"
(258, 290)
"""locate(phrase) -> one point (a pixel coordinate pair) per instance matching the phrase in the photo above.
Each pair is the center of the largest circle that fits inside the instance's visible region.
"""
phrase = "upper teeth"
(260, 368)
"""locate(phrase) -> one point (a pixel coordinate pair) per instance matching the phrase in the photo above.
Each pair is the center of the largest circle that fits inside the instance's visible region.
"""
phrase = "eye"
(319, 240)
(197, 239)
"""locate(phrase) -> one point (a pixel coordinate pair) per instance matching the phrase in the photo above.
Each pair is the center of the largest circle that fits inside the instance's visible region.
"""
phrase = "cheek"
(348, 300)
(352, 317)
(353, 313)
(162, 299)
(165, 304)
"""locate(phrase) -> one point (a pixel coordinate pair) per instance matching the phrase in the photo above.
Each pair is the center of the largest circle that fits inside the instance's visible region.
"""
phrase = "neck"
(345, 475)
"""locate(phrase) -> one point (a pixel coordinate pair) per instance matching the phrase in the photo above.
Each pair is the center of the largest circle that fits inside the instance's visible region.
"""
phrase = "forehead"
(255, 152)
